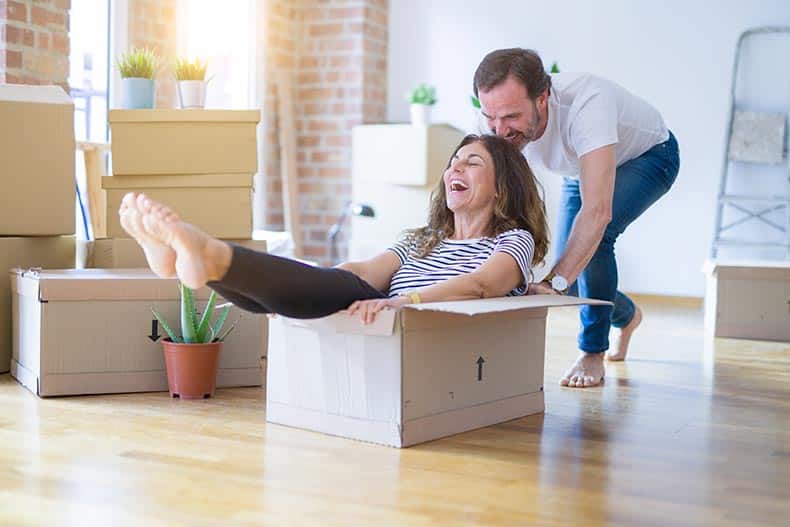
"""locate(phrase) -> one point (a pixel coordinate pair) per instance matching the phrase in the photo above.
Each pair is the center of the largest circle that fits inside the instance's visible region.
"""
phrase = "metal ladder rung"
(729, 198)
(734, 241)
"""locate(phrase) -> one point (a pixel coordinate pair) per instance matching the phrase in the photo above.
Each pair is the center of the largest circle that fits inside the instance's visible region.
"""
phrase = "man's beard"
(521, 138)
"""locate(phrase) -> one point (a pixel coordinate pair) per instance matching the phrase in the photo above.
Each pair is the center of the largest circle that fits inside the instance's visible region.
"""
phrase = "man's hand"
(367, 309)
(541, 288)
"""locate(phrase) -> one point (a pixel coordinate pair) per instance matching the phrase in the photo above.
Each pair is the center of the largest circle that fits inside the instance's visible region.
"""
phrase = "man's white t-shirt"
(587, 112)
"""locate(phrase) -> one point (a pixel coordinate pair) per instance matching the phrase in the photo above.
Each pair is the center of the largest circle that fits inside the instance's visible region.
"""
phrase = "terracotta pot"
(191, 369)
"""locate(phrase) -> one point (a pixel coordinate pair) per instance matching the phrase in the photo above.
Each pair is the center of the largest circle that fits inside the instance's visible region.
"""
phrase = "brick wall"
(337, 51)
(152, 24)
(34, 42)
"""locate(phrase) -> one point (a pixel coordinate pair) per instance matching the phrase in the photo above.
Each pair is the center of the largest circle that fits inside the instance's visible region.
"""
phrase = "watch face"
(559, 283)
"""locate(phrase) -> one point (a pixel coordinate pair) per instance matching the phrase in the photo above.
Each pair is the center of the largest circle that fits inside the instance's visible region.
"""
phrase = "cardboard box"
(126, 253)
(748, 299)
(146, 142)
(36, 161)
(422, 152)
(86, 331)
(421, 373)
(47, 252)
(221, 205)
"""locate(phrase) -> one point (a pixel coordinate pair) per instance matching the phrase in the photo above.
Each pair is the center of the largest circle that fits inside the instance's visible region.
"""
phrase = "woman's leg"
(257, 282)
(271, 284)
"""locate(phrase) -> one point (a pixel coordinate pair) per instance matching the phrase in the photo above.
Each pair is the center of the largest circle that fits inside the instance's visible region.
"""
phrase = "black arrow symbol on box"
(154, 336)
(480, 362)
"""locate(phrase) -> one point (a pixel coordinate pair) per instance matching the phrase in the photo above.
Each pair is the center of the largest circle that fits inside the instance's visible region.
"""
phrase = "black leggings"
(264, 283)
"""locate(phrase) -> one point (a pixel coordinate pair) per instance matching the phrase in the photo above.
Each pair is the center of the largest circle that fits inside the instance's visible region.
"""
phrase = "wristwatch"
(557, 282)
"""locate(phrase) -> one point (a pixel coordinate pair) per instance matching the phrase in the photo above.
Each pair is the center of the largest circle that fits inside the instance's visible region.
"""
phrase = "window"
(226, 39)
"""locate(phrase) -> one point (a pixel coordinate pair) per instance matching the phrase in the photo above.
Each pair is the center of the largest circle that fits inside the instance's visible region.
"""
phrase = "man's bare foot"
(199, 258)
(587, 371)
(161, 258)
(621, 350)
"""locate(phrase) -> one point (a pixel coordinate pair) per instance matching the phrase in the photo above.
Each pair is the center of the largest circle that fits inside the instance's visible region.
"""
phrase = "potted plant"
(192, 358)
(421, 98)
(138, 67)
(191, 79)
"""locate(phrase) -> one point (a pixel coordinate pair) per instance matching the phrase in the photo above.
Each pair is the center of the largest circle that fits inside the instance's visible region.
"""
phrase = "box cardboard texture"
(87, 331)
(748, 300)
(150, 142)
(36, 161)
(220, 204)
(421, 373)
(55, 252)
(126, 253)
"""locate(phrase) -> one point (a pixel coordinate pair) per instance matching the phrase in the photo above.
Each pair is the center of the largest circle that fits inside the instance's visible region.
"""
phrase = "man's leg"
(639, 183)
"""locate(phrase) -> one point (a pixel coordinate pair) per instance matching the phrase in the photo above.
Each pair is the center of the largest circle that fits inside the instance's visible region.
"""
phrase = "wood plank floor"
(680, 434)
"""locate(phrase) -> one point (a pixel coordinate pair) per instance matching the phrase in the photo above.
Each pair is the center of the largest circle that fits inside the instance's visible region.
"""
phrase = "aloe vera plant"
(197, 328)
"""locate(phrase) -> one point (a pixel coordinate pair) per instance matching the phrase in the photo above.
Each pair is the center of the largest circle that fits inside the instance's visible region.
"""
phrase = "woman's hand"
(367, 309)
(541, 288)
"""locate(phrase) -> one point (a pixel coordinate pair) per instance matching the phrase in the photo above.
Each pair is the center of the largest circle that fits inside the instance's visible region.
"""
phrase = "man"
(617, 158)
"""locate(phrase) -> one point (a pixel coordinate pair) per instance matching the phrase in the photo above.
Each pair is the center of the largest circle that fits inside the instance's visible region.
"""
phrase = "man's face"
(511, 114)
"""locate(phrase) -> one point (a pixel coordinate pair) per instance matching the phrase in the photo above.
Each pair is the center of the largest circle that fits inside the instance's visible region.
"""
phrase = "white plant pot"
(192, 94)
(420, 114)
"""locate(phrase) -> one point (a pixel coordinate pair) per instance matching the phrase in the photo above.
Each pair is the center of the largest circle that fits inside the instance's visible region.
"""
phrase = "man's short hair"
(523, 64)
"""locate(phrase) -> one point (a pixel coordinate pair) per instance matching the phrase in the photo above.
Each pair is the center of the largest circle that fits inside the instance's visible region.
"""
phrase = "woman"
(486, 228)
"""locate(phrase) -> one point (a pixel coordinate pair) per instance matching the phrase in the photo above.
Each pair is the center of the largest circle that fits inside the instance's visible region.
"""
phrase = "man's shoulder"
(573, 85)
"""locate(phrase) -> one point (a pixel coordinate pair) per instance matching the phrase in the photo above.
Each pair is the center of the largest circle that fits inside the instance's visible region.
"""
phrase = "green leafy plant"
(197, 328)
(187, 70)
(139, 63)
(554, 67)
(422, 94)
(475, 102)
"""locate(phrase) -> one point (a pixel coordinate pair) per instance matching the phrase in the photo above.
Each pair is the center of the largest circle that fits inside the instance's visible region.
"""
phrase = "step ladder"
(757, 142)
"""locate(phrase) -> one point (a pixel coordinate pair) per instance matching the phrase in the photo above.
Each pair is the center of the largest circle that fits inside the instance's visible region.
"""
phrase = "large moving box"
(420, 373)
(36, 161)
(152, 142)
(53, 252)
(748, 299)
(126, 253)
(221, 204)
(92, 331)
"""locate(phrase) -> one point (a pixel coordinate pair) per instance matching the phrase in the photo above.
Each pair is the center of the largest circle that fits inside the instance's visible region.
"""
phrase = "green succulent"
(422, 94)
(197, 328)
(138, 63)
(187, 70)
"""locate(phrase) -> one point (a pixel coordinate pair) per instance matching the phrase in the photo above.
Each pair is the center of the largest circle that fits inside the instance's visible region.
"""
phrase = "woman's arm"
(499, 275)
(376, 271)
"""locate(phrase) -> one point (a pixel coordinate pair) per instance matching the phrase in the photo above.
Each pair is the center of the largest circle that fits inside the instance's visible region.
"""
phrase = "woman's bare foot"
(199, 258)
(621, 350)
(161, 258)
(588, 370)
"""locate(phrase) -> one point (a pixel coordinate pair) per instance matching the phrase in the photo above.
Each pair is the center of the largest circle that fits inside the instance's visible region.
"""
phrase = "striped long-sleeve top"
(456, 257)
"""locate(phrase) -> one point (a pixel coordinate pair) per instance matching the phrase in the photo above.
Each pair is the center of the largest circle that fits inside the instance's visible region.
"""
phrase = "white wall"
(678, 55)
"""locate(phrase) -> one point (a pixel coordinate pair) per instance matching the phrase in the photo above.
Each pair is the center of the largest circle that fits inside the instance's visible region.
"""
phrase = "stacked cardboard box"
(200, 162)
(37, 197)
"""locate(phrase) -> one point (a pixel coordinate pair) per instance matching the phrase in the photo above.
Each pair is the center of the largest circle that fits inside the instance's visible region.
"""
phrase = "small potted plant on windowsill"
(138, 68)
(422, 98)
(192, 82)
(192, 359)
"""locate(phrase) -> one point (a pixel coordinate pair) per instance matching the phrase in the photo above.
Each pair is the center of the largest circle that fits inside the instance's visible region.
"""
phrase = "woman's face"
(469, 181)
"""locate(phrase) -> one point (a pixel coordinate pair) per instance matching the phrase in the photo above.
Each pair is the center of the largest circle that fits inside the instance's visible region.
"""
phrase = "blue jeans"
(638, 184)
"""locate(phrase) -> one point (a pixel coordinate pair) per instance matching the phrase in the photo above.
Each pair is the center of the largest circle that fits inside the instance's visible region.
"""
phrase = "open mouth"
(458, 186)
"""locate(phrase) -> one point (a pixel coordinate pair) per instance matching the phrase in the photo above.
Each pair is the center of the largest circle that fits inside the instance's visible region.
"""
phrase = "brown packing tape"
(188, 116)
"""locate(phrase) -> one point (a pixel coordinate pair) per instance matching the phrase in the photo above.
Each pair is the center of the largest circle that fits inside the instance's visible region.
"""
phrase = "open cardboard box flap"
(96, 284)
(384, 325)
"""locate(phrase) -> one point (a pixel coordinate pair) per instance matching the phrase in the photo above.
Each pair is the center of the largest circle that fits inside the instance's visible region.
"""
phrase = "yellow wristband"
(414, 296)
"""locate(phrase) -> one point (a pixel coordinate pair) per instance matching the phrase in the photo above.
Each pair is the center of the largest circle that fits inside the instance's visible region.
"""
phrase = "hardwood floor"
(680, 434)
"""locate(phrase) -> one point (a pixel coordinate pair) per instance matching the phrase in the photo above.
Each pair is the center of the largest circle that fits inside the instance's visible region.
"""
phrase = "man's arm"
(597, 191)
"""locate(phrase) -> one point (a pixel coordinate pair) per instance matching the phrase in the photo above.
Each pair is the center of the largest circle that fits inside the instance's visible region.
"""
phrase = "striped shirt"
(456, 257)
